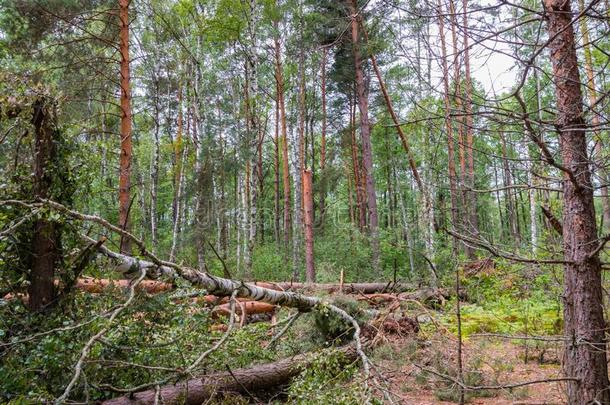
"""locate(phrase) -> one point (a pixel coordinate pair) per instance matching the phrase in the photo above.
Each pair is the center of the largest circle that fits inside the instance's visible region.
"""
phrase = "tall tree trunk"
(585, 353)
(310, 271)
(279, 77)
(425, 194)
(407, 234)
(45, 242)
(602, 173)
(178, 160)
(298, 210)
(448, 127)
(545, 195)
(358, 183)
(239, 205)
(154, 173)
(531, 194)
(322, 206)
(252, 130)
(276, 170)
(300, 153)
(471, 196)
(179, 208)
(246, 220)
(126, 145)
(395, 120)
(513, 218)
(365, 134)
(224, 237)
(457, 98)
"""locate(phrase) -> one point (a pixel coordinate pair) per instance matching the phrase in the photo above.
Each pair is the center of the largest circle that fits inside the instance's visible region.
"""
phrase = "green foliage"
(327, 381)
(510, 300)
(155, 331)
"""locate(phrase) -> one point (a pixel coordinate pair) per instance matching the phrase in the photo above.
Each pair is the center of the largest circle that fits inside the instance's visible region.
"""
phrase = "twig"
(225, 269)
(493, 387)
(205, 354)
(519, 337)
(363, 357)
(10, 230)
(189, 370)
(51, 331)
(289, 323)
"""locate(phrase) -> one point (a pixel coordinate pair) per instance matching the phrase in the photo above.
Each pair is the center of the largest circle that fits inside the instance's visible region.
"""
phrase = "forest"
(304, 201)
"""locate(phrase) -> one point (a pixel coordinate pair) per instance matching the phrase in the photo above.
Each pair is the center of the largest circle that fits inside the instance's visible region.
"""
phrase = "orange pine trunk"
(126, 145)
(310, 272)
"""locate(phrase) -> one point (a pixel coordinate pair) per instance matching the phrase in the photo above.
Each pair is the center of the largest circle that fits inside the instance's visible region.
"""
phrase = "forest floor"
(487, 361)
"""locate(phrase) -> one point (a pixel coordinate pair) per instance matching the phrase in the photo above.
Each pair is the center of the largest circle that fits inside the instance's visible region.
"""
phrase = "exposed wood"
(93, 285)
(246, 308)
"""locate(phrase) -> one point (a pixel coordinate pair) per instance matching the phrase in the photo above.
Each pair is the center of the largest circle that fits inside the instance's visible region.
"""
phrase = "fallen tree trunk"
(242, 381)
(245, 308)
(347, 288)
(431, 296)
(98, 285)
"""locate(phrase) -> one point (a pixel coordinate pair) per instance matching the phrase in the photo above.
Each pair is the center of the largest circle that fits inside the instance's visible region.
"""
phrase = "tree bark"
(360, 199)
(243, 381)
(154, 173)
(279, 77)
(45, 241)
(300, 151)
(276, 170)
(365, 135)
(178, 182)
(592, 92)
(425, 194)
(585, 354)
(448, 127)
(322, 205)
(126, 144)
(310, 271)
(510, 201)
(471, 196)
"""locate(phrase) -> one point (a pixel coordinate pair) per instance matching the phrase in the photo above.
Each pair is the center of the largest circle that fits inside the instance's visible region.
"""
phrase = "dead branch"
(555, 223)
(493, 387)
